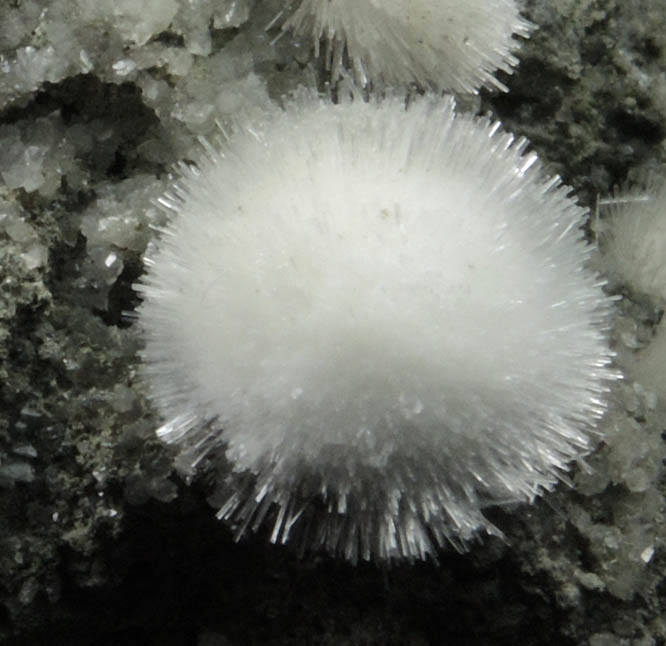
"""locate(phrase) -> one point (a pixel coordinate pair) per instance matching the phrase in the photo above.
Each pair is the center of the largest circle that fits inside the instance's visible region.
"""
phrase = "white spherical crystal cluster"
(633, 236)
(443, 44)
(382, 317)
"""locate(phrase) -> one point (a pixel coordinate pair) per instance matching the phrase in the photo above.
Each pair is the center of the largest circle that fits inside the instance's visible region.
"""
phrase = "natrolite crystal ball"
(444, 44)
(376, 320)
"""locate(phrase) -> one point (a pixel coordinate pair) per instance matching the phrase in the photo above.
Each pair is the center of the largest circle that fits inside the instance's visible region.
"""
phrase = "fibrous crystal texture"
(633, 236)
(380, 318)
(436, 43)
